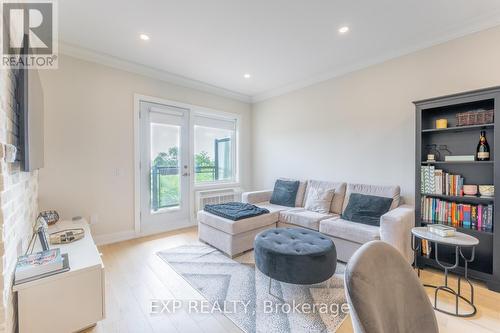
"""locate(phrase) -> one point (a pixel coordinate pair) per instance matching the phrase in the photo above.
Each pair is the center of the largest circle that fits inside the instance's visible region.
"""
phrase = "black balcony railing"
(165, 184)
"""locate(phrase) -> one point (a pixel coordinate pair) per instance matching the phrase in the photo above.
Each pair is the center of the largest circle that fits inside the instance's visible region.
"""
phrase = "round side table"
(458, 241)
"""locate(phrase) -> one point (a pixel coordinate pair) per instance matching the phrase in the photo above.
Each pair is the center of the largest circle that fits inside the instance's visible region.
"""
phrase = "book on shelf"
(436, 181)
(428, 178)
(459, 158)
(38, 264)
(467, 216)
(426, 248)
(442, 230)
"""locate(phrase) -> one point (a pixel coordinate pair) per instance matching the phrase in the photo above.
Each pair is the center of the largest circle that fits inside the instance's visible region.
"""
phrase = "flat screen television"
(31, 136)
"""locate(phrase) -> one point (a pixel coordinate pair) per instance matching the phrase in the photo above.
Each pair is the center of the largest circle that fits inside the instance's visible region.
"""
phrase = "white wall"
(18, 204)
(361, 127)
(89, 133)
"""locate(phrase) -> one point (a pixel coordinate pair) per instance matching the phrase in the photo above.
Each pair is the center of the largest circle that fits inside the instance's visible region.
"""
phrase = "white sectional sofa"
(235, 237)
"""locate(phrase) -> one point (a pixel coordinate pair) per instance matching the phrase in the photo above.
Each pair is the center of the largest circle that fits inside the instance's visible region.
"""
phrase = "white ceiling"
(284, 44)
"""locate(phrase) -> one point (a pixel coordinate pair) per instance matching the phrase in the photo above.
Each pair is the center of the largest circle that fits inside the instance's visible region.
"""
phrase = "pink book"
(479, 217)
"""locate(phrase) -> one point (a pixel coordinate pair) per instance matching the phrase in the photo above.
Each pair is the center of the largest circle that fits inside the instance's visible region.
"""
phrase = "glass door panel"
(165, 170)
(164, 167)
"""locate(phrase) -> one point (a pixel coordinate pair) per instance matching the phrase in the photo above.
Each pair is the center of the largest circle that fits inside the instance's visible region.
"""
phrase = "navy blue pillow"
(285, 192)
(366, 209)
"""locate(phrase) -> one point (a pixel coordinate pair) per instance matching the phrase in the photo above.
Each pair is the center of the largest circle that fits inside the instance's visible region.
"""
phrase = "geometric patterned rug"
(236, 283)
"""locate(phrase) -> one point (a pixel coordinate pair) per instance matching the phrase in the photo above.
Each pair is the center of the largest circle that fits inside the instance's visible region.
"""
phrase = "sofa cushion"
(366, 209)
(351, 231)
(379, 191)
(240, 226)
(285, 192)
(338, 195)
(303, 218)
(301, 192)
(319, 199)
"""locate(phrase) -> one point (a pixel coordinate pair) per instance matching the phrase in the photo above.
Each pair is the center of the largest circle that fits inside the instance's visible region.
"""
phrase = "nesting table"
(459, 241)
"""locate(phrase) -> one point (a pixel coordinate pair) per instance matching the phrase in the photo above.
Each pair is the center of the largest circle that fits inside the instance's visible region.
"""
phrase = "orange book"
(449, 213)
(452, 213)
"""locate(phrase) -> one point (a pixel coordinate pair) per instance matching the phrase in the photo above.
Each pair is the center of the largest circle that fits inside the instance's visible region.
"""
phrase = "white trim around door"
(176, 218)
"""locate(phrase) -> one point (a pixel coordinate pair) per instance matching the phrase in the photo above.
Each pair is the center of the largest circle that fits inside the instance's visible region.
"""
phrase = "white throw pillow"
(319, 199)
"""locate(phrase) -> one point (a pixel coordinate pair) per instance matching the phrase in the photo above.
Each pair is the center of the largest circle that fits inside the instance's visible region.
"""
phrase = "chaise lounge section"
(235, 237)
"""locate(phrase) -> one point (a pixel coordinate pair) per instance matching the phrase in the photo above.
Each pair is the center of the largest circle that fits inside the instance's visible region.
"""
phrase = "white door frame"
(137, 163)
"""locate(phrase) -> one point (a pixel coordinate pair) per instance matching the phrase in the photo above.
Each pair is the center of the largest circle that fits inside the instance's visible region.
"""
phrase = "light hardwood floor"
(135, 275)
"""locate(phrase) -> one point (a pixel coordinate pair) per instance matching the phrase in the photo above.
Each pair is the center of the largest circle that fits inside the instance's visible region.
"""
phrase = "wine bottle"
(483, 148)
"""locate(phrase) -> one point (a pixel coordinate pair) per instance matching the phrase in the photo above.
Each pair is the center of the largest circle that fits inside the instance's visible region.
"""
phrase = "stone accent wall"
(18, 204)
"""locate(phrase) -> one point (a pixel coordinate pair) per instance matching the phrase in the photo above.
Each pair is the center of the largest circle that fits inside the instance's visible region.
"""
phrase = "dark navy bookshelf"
(470, 231)
(477, 163)
(467, 199)
(458, 128)
(462, 140)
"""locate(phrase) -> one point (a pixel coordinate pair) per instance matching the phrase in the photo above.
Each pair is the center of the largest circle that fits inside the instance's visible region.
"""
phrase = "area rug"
(241, 291)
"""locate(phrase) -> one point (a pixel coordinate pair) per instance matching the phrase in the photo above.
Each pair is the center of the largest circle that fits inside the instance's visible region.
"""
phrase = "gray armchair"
(385, 294)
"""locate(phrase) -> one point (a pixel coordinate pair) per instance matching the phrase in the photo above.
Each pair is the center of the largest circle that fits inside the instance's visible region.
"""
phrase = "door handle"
(186, 174)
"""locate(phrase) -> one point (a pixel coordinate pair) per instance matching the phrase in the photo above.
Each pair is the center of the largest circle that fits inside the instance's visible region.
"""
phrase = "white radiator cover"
(210, 197)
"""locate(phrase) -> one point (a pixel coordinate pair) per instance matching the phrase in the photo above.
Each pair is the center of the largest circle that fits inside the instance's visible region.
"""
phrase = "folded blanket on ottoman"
(235, 210)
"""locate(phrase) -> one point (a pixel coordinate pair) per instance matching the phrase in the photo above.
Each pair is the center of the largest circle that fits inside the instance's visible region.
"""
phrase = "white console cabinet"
(69, 301)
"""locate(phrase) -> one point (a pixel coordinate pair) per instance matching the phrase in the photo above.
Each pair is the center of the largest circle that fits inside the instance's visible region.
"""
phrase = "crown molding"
(129, 66)
(483, 23)
(479, 24)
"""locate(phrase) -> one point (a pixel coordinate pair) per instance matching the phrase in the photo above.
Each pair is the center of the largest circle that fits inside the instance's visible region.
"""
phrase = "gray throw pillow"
(366, 209)
(284, 193)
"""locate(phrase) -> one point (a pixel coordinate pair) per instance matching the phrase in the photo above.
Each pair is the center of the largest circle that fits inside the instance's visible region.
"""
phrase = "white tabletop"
(459, 238)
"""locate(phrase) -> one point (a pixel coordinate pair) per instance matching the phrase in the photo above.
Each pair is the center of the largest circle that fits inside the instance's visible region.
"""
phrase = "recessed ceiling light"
(144, 37)
(343, 30)
(247, 76)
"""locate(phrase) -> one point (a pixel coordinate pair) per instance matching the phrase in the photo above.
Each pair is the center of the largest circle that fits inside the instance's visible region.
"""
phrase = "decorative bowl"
(487, 190)
(470, 189)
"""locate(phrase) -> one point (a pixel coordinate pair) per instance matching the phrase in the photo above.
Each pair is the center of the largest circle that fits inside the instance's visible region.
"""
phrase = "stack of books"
(436, 181)
(477, 217)
(442, 230)
(41, 264)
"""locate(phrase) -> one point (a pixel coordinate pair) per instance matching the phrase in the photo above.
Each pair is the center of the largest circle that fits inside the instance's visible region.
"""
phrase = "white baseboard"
(114, 237)
(148, 231)
(131, 234)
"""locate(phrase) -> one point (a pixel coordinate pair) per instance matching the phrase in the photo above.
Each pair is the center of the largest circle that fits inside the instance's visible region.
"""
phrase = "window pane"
(223, 165)
(165, 175)
(213, 154)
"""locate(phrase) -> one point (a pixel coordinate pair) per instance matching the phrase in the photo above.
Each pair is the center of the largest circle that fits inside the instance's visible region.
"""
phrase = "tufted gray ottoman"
(295, 255)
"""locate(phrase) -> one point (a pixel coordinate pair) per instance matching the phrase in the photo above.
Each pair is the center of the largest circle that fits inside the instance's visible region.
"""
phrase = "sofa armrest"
(256, 196)
(395, 229)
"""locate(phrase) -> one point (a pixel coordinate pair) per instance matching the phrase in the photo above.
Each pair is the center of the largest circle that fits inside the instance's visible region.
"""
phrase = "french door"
(165, 176)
